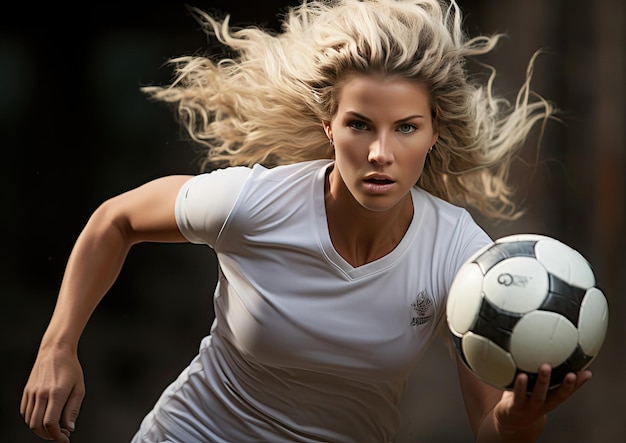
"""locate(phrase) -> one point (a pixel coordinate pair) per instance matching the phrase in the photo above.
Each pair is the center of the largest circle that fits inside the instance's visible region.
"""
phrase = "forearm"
(92, 268)
(143, 214)
(491, 432)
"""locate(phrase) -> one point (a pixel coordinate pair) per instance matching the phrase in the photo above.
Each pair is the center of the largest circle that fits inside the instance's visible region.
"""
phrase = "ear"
(327, 129)
(435, 138)
(435, 132)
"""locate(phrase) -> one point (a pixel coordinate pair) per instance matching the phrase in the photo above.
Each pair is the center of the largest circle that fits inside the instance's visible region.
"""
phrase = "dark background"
(75, 130)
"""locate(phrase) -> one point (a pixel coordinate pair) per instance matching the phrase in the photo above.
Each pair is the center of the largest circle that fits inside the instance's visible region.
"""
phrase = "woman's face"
(382, 132)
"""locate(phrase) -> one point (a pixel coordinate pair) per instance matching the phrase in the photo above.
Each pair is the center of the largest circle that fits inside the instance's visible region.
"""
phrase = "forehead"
(376, 91)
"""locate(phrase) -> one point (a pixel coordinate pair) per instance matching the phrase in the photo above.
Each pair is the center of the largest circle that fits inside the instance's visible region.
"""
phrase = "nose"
(380, 151)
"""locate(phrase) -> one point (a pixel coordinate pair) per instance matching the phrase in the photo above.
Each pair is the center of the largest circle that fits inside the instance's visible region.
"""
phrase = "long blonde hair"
(265, 103)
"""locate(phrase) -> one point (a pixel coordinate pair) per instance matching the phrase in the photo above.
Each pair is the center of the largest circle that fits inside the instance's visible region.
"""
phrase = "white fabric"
(305, 347)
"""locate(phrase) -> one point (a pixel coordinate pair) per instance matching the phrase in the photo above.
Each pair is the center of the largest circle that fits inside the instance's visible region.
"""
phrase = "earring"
(431, 149)
(331, 141)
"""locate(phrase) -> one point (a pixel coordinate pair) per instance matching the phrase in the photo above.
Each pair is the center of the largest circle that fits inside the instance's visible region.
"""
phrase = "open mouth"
(378, 185)
(379, 181)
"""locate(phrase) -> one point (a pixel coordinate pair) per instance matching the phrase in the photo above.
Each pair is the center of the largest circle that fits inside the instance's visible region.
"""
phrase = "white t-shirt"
(304, 346)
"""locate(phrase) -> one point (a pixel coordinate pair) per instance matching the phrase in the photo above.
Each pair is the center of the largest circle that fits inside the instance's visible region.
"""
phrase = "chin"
(379, 204)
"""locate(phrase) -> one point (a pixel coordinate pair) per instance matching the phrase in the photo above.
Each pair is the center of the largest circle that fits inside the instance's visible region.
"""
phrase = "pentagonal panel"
(593, 321)
(464, 298)
(542, 337)
(488, 361)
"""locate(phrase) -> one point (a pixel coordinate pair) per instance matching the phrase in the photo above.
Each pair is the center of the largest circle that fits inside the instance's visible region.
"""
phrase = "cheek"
(416, 161)
(345, 153)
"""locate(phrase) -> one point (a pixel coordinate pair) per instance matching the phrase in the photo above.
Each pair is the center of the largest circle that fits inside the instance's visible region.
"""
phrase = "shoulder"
(288, 171)
(443, 210)
(223, 177)
(284, 183)
(231, 180)
(453, 227)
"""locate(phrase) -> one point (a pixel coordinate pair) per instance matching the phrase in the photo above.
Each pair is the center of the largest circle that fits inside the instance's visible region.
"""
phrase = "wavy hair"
(264, 102)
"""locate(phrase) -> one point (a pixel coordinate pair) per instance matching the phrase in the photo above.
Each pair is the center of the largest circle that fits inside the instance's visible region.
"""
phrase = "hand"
(519, 410)
(53, 395)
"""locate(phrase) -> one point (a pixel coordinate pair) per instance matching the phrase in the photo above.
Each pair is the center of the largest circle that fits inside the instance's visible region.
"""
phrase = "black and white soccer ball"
(522, 301)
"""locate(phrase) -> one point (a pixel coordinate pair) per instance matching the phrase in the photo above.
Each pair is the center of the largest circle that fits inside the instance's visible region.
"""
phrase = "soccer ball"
(522, 301)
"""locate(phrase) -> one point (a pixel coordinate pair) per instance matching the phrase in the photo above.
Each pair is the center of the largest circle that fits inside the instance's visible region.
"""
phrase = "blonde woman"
(342, 155)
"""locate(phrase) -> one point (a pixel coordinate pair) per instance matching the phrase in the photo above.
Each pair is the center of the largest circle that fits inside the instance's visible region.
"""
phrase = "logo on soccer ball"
(513, 280)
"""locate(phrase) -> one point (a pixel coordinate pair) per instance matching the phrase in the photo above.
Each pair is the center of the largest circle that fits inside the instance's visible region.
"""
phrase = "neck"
(360, 235)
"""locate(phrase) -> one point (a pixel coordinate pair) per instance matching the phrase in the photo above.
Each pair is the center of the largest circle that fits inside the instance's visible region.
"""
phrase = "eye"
(406, 128)
(358, 125)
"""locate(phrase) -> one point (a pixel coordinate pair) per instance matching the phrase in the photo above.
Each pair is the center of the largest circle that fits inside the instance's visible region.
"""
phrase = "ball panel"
(480, 252)
(542, 337)
(499, 252)
(487, 360)
(458, 347)
(464, 298)
(517, 284)
(563, 299)
(593, 321)
(576, 362)
(495, 323)
(564, 262)
(521, 238)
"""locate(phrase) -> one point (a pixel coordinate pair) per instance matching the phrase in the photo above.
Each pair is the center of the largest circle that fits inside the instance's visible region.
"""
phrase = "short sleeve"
(475, 238)
(469, 239)
(205, 201)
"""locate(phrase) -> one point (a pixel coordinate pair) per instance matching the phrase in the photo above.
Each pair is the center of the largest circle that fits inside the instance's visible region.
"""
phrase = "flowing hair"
(264, 102)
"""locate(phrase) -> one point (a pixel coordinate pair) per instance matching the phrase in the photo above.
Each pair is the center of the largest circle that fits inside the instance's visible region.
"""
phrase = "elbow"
(110, 222)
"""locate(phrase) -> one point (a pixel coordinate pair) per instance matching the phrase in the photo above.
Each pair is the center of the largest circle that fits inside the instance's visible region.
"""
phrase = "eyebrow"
(362, 117)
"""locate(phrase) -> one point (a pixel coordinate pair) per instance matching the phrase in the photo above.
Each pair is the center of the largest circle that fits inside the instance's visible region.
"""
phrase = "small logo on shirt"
(423, 309)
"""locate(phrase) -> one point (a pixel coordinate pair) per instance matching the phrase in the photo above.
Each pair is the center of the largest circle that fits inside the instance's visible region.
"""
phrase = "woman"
(342, 152)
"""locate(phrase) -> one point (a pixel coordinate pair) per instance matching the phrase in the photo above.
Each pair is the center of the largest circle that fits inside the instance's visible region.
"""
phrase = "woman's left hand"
(518, 410)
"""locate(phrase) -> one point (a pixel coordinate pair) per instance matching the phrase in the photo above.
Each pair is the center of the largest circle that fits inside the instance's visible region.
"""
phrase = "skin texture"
(382, 133)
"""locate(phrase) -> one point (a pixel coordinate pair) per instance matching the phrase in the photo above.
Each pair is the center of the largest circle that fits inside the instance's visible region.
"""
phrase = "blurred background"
(75, 130)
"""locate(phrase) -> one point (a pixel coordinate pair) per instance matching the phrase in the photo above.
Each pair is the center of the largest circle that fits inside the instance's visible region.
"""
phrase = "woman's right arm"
(55, 389)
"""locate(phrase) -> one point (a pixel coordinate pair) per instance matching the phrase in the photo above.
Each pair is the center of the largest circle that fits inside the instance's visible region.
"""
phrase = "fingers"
(571, 383)
(582, 378)
(56, 433)
(52, 419)
(26, 407)
(546, 399)
(36, 420)
(519, 388)
(542, 385)
(72, 409)
(53, 395)
(521, 409)
(41, 414)
(33, 411)
(568, 386)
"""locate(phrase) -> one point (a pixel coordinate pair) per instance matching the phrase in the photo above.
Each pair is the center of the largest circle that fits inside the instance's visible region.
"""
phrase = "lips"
(378, 184)
(379, 179)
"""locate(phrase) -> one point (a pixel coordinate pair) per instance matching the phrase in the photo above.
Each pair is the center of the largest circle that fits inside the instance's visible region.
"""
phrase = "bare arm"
(55, 388)
(513, 416)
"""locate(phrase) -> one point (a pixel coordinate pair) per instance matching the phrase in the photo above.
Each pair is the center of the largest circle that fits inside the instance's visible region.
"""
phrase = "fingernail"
(71, 426)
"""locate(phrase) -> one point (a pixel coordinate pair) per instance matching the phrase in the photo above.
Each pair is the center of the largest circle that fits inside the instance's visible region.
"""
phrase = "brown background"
(75, 130)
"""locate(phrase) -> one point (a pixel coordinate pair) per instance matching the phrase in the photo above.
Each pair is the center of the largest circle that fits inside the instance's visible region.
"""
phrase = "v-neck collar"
(331, 254)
